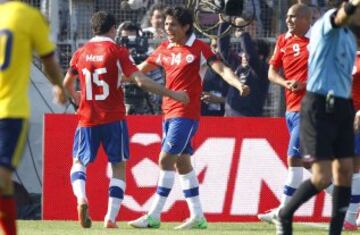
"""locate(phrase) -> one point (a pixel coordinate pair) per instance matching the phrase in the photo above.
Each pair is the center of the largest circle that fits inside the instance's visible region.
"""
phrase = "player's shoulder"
(22, 9)
(282, 38)
(199, 41)
(164, 44)
(200, 44)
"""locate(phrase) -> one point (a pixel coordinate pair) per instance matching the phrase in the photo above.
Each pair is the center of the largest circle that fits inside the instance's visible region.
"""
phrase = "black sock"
(306, 191)
(340, 202)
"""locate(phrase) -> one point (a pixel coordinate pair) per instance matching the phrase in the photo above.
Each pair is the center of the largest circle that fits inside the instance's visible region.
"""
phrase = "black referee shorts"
(326, 134)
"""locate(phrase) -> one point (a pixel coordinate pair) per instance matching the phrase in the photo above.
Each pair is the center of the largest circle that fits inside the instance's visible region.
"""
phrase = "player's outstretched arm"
(146, 83)
(229, 76)
(146, 67)
(208, 97)
(54, 75)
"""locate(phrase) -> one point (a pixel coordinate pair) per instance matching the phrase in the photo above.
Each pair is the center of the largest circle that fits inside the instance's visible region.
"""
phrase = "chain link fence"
(71, 28)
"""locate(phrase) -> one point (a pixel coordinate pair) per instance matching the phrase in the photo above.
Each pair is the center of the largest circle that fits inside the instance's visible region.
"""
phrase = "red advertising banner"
(240, 162)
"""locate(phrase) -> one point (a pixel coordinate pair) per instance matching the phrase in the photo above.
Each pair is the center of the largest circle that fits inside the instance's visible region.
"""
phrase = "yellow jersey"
(23, 29)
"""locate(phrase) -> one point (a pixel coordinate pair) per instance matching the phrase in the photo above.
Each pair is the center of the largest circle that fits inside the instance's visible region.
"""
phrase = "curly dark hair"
(183, 15)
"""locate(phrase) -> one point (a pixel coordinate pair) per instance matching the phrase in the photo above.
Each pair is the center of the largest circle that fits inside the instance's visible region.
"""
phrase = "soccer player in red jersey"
(291, 56)
(182, 57)
(100, 65)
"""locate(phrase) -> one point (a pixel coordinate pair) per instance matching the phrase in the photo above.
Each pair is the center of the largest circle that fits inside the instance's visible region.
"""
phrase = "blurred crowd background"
(140, 29)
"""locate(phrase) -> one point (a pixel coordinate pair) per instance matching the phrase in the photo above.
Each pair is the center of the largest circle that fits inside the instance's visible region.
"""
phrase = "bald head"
(302, 10)
(298, 19)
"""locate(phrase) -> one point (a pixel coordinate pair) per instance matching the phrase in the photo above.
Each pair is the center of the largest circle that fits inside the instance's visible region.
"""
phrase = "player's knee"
(6, 187)
(321, 181)
(166, 163)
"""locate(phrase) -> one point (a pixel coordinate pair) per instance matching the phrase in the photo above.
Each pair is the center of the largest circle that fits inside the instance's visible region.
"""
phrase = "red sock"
(8, 215)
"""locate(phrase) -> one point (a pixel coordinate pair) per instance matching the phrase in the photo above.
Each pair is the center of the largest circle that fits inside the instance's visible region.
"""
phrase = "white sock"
(190, 186)
(165, 184)
(78, 181)
(116, 195)
(293, 181)
(352, 212)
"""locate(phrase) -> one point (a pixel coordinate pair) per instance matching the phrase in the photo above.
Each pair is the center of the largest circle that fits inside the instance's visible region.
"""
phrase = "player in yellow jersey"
(22, 30)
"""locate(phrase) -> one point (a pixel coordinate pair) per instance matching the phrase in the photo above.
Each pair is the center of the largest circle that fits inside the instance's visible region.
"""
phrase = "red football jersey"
(291, 54)
(182, 65)
(356, 82)
(99, 65)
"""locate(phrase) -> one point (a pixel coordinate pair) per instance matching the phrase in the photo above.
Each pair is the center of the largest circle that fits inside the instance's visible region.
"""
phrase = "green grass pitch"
(73, 228)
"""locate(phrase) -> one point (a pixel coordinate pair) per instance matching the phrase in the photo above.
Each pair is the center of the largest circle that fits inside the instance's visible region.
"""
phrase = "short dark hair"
(102, 22)
(129, 26)
(182, 15)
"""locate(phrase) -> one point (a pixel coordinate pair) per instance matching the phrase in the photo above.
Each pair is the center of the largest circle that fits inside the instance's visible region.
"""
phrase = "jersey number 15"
(94, 78)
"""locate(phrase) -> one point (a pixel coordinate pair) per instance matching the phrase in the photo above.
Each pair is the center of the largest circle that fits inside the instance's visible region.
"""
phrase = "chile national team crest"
(189, 58)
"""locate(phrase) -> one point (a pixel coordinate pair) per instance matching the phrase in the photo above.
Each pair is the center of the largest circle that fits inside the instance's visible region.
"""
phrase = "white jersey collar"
(188, 43)
(307, 34)
(98, 38)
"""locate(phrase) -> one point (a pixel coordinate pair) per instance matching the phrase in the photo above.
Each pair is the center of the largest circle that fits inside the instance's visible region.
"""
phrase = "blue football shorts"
(293, 124)
(177, 135)
(357, 144)
(113, 136)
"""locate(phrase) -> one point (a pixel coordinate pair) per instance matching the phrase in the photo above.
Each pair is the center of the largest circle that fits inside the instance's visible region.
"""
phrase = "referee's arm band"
(349, 8)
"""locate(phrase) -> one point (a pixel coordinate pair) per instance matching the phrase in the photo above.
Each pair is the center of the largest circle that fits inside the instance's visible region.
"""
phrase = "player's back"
(100, 63)
(22, 30)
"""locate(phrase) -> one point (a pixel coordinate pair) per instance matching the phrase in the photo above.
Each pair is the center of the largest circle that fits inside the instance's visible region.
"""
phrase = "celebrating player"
(182, 56)
(100, 65)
